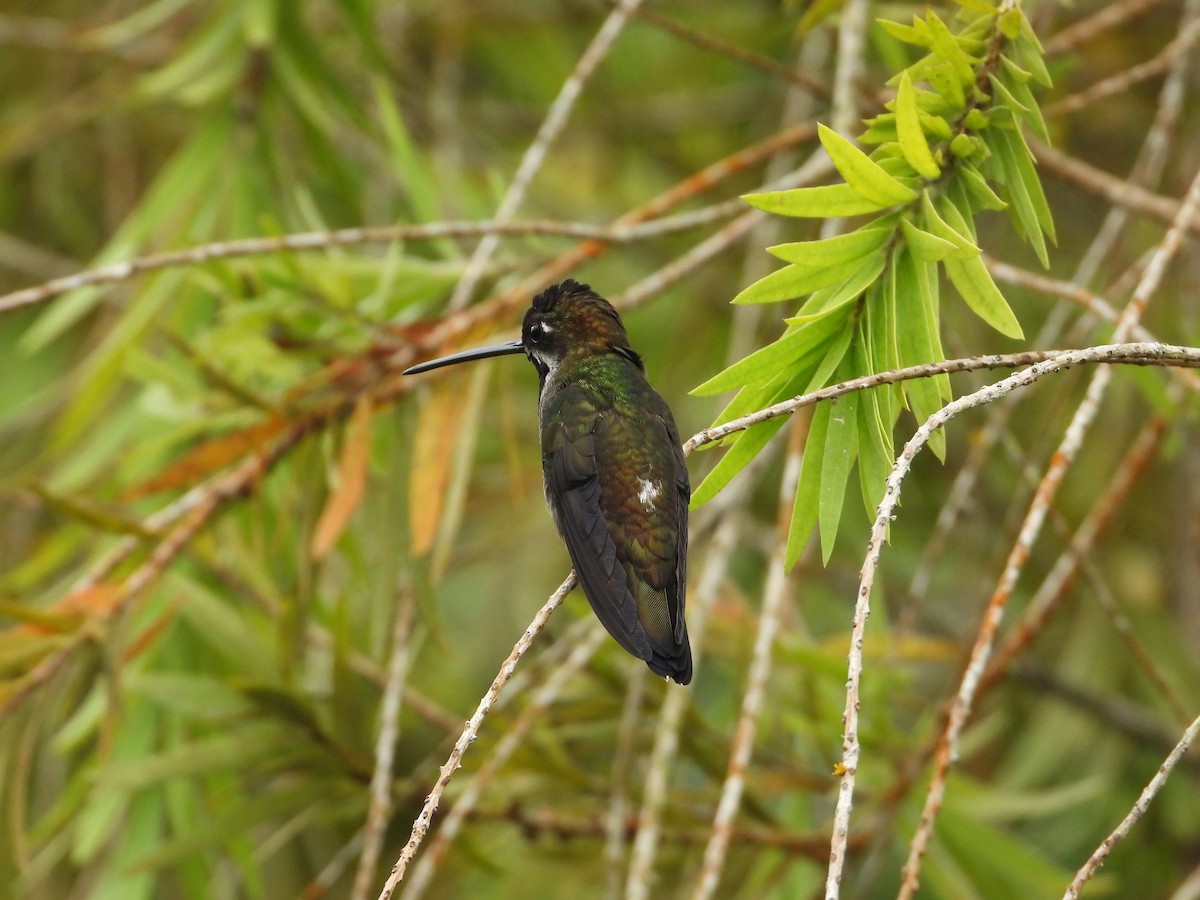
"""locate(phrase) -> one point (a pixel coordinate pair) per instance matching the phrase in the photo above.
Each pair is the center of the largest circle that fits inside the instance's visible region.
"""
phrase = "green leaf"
(965, 248)
(947, 47)
(822, 202)
(834, 251)
(1029, 54)
(929, 290)
(841, 448)
(1024, 189)
(831, 298)
(863, 174)
(759, 367)
(911, 133)
(1004, 97)
(791, 282)
(736, 458)
(904, 33)
(980, 189)
(808, 490)
(1009, 22)
(973, 281)
(875, 451)
(926, 246)
(1020, 90)
(909, 292)
(830, 361)
(944, 80)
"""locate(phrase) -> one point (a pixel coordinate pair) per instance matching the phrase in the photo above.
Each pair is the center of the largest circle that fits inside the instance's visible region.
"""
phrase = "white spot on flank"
(649, 492)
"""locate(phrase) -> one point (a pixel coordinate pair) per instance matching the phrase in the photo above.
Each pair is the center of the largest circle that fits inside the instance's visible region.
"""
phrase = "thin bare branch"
(423, 820)
(535, 154)
(1126, 79)
(862, 609)
(385, 749)
(1096, 860)
(322, 240)
(960, 707)
(545, 695)
(774, 594)
(1110, 15)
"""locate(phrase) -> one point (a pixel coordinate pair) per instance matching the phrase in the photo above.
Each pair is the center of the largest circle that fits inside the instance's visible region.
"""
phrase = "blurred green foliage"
(212, 734)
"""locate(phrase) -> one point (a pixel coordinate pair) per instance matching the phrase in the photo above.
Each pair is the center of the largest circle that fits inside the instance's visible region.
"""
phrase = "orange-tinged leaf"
(352, 478)
(433, 456)
(65, 615)
(209, 457)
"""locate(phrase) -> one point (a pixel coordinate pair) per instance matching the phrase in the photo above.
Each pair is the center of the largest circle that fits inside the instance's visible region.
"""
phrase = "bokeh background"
(227, 527)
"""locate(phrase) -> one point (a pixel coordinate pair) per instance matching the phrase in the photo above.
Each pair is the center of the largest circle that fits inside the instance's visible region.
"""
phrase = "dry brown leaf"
(352, 478)
(433, 456)
(208, 457)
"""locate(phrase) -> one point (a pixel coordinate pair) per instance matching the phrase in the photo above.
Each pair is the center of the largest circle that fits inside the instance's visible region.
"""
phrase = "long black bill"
(467, 355)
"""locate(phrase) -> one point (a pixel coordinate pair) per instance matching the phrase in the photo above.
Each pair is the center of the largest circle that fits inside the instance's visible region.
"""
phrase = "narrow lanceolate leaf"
(352, 477)
(736, 458)
(802, 337)
(910, 294)
(841, 448)
(984, 196)
(874, 448)
(929, 290)
(965, 248)
(833, 297)
(795, 281)
(834, 251)
(913, 144)
(823, 202)
(905, 33)
(1024, 188)
(808, 491)
(434, 439)
(863, 174)
(973, 281)
(1017, 80)
(875, 420)
(946, 46)
(926, 246)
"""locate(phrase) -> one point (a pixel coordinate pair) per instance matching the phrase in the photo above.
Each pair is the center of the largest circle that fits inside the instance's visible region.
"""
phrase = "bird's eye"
(536, 331)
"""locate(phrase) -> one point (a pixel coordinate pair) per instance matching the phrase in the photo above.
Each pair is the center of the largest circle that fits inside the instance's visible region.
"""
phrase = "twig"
(535, 154)
(546, 694)
(1063, 457)
(548, 821)
(323, 240)
(385, 749)
(729, 50)
(1111, 15)
(1096, 860)
(774, 594)
(1126, 79)
(1082, 560)
(1054, 586)
(862, 609)
(1123, 354)
(1114, 190)
(423, 820)
(618, 798)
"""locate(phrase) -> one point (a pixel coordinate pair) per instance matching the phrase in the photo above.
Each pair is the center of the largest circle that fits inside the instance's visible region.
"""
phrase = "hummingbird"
(613, 470)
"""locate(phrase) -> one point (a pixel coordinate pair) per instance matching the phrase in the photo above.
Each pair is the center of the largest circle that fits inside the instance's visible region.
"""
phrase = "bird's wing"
(573, 492)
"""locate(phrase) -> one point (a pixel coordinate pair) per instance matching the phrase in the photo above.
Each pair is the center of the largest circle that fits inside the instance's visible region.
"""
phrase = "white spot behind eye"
(649, 491)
